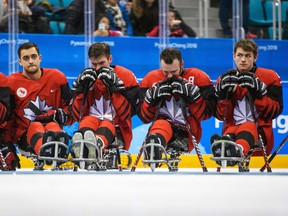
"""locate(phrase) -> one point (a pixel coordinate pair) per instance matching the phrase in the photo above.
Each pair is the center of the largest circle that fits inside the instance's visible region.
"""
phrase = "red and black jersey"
(51, 91)
(98, 103)
(170, 109)
(238, 110)
(4, 98)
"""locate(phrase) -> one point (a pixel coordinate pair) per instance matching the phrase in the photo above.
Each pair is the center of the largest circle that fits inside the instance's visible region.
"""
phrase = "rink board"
(191, 161)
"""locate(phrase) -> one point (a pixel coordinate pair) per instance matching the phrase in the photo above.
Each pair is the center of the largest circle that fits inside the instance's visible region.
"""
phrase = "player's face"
(100, 62)
(30, 61)
(244, 60)
(170, 70)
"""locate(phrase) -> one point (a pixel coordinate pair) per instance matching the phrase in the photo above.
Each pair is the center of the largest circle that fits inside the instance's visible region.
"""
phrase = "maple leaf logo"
(29, 114)
(172, 109)
(102, 109)
(242, 112)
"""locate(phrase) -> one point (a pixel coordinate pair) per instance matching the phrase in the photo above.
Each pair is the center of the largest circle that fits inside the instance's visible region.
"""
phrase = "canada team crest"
(41, 104)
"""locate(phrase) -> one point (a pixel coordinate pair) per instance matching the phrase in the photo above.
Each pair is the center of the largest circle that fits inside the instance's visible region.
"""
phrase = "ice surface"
(143, 193)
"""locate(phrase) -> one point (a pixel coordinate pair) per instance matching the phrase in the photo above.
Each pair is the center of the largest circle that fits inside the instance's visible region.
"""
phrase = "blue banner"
(214, 56)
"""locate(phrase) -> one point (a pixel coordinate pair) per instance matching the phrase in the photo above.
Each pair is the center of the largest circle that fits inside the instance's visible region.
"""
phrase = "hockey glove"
(85, 80)
(157, 92)
(10, 157)
(55, 115)
(255, 86)
(110, 79)
(181, 87)
(227, 84)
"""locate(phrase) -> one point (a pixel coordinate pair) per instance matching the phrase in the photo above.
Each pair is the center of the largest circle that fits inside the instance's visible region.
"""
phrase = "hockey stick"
(3, 162)
(275, 153)
(85, 92)
(259, 135)
(224, 121)
(141, 149)
(183, 107)
(140, 152)
(225, 110)
(116, 138)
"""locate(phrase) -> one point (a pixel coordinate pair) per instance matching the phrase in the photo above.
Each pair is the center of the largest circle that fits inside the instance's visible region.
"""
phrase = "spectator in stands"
(40, 23)
(75, 16)
(37, 9)
(24, 13)
(119, 17)
(144, 16)
(224, 11)
(104, 28)
(177, 27)
(3, 6)
(128, 4)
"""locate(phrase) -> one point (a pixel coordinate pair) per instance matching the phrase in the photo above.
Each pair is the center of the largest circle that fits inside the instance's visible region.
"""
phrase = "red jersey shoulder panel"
(152, 77)
(268, 76)
(126, 75)
(196, 77)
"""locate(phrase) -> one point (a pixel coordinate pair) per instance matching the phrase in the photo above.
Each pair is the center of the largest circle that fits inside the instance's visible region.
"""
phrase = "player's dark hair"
(26, 46)
(99, 49)
(169, 54)
(247, 45)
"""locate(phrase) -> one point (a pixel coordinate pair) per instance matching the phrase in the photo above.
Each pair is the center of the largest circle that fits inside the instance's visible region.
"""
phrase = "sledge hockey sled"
(56, 160)
(223, 160)
(87, 155)
(40, 160)
(169, 157)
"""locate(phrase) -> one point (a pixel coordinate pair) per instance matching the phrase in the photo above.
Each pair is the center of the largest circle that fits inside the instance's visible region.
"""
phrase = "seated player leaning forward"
(248, 99)
(172, 97)
(108, 104)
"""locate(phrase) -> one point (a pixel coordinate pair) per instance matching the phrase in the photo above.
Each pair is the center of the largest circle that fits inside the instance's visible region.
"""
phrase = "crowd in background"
(115, 18)
(112, 18)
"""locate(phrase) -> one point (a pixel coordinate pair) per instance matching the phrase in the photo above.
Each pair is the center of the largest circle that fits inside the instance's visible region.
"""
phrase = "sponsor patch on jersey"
(21, 92)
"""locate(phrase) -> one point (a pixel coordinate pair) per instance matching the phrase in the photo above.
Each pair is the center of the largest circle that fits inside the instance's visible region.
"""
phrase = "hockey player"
(40, 99)
(104, 102)
(168, 92)
(9, 159)
(248, 99)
